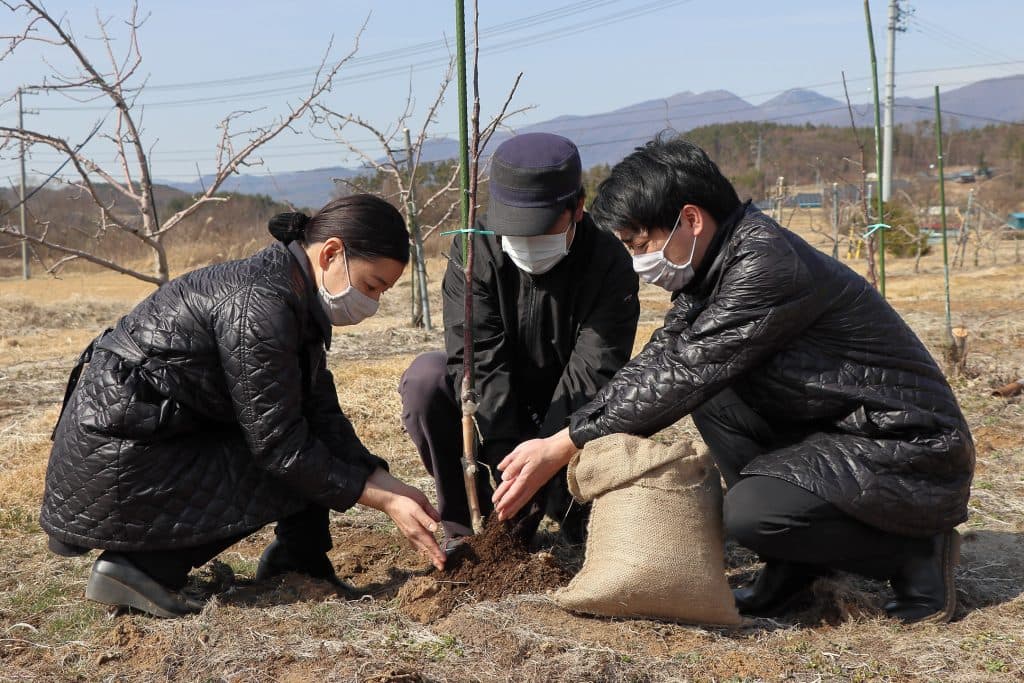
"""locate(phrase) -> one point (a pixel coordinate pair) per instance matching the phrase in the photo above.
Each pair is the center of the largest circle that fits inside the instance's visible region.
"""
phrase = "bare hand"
(410, 510)
(527, 468)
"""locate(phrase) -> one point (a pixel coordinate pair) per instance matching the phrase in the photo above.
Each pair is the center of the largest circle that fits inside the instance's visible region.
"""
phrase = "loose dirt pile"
(488, 566)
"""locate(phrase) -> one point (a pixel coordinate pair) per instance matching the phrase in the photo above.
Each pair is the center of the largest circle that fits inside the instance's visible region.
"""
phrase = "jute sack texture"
(654, 543)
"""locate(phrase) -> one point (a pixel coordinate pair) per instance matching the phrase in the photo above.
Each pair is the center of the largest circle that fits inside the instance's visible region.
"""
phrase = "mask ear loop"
(693, 250)
(348, 274)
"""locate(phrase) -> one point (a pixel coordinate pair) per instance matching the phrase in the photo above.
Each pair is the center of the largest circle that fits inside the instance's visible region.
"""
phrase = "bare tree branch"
(132, 155)
(493, 125)
(84, 255)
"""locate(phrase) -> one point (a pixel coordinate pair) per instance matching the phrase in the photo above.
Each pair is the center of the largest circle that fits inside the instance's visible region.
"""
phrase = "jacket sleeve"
(257, 335)
(497, 414)
(329, 423)
(765, 299)
(603, 345)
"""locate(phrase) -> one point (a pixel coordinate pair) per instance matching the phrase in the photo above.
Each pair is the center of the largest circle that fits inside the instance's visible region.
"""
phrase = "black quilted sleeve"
(257, 335)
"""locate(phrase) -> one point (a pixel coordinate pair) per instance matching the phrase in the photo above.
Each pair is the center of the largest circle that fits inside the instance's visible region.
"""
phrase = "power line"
(659, 105)
(497, 48)
(947, 36)
(403, 52)
(947, 112)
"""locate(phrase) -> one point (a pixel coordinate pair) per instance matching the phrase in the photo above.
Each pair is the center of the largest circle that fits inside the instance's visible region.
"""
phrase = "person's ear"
(578, 214)
(694, 217)
(331, 250)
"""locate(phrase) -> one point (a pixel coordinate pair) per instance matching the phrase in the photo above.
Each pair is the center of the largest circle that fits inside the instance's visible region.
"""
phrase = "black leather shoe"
(279, 559)
(777, 588)
(114, 580)
(926, 587)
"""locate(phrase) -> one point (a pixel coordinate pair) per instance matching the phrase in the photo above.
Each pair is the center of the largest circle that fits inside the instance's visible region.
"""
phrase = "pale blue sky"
(576, 57)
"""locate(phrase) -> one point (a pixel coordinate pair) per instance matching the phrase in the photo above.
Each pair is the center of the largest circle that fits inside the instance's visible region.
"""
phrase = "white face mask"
(350, 306)
(656, 269)
(539, 253)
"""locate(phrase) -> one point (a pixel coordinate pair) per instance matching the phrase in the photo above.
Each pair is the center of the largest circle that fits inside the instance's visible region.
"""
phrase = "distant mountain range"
(607, 137)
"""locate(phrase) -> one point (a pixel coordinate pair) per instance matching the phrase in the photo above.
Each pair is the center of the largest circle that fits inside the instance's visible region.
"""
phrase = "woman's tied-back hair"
(646, 189)
(369, 227)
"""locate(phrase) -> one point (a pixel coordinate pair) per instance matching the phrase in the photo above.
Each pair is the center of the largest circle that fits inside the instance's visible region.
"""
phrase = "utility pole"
(778, 200)
(419, 267)
(25, 271)
(890, 101)
(835, 220)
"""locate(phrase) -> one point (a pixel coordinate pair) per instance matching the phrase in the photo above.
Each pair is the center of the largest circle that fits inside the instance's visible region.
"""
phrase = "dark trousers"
(782, 521)
(307, 531)
(433, 418)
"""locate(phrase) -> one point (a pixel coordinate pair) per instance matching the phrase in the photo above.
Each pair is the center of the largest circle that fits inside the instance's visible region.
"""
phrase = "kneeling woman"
(208, 412)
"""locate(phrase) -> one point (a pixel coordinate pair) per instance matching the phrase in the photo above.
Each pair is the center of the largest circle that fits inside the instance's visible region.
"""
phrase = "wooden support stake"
(960, 335)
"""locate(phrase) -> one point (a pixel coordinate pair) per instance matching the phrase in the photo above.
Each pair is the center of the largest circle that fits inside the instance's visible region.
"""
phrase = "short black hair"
(574, 201)
(646, 189)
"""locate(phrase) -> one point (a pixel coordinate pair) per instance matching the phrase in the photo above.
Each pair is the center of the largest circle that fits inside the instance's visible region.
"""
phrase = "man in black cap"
(555, 313)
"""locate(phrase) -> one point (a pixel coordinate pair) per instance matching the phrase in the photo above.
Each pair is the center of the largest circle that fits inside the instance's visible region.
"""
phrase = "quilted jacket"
(206, 412)
(809, 344)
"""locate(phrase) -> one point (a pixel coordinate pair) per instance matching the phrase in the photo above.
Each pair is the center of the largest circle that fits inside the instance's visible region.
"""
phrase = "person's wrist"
(566, 448)
(375, 494)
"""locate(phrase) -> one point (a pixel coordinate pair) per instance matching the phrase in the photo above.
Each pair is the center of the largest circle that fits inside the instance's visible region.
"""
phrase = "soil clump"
(488, 566)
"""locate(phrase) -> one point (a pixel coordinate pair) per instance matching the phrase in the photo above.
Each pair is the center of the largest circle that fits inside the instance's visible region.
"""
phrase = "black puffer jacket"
(803, 339)
(543, 344)
(208, 411)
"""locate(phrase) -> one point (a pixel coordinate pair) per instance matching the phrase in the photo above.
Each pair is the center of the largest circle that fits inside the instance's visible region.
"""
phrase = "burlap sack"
(654, 544)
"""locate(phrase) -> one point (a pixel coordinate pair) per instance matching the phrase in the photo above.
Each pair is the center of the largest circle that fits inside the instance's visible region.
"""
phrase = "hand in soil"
(527, 468)
(412, 513)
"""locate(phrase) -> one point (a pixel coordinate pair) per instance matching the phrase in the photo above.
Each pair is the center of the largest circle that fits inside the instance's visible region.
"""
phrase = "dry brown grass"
(300, 631)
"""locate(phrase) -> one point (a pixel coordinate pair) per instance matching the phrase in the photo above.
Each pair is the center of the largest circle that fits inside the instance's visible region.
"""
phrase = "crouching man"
(839, 439)
(555, 315)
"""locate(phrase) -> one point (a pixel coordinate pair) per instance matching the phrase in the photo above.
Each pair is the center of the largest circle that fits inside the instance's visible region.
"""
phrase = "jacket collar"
(312, 298)
(713, 255)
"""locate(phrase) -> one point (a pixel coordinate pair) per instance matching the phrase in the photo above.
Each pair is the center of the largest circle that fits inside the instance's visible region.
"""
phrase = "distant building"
(809, 200)
(931, 218)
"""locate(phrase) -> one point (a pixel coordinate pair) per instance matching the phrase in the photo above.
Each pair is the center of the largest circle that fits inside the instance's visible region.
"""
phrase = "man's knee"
(424, 382)
(744, 515)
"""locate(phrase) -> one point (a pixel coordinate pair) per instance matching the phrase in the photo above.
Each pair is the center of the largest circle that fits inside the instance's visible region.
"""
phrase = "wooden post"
(960, 335)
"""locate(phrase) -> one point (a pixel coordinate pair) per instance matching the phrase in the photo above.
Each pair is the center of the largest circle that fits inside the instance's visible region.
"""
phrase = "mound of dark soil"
(487, 566)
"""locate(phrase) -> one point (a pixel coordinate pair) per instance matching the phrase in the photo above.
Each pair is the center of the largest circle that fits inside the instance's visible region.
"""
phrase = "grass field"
(300, 630)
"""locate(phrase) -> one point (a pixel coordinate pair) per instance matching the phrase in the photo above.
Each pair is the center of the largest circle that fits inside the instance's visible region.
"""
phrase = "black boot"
(279, 558)
(777, 588)
(925, 587)
(114, 580)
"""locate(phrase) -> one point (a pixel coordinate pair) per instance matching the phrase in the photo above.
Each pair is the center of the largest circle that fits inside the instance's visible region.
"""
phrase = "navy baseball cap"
(533, 175)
